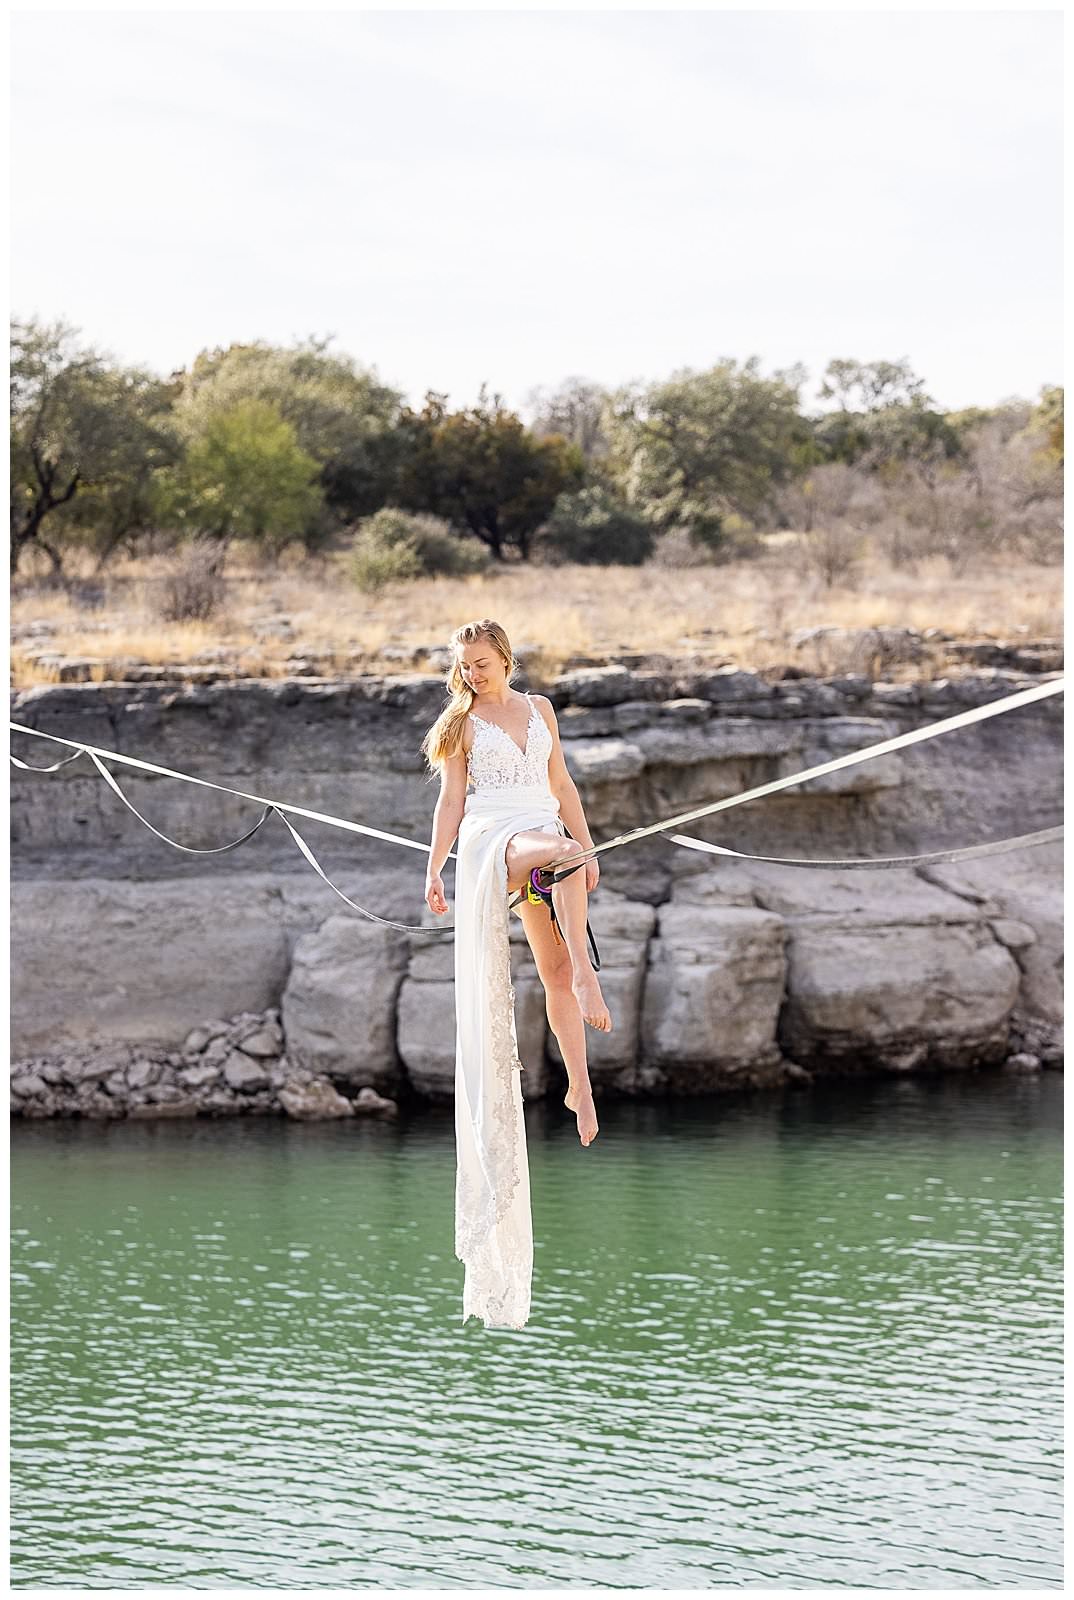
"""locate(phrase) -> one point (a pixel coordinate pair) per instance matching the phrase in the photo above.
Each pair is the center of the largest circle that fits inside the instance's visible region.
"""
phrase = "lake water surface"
(794, 1340)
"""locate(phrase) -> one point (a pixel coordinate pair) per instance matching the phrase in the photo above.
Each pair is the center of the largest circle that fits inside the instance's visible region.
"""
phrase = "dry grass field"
(308, 609)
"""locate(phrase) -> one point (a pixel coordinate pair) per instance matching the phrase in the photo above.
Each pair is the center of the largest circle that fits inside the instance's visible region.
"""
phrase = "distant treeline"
(277, 446)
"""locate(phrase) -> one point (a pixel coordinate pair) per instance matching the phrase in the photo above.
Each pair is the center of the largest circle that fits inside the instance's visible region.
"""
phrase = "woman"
(515, 819)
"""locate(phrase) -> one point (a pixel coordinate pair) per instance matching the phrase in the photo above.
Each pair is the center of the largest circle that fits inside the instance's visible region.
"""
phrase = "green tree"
(595, 527)
(482, 470)
(912, 435)
(342, 415)
(1046, 422)
(245, 476)
(870, 385)
(87, 442)
(884, 420)
(705, 448)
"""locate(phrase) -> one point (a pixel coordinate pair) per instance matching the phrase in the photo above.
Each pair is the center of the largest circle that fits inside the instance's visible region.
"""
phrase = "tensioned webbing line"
(961, 719)
(269, 808)
(573, 863)
(969, 852)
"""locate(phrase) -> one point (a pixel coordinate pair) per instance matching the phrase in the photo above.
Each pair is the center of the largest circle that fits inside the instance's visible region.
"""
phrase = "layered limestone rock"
(339, 1003)
(718, 972)
(713, 991)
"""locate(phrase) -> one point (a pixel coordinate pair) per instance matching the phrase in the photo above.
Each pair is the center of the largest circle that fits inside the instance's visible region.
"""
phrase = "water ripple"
(776, 1342)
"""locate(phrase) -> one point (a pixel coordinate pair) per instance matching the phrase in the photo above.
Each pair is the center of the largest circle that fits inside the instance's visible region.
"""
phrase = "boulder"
(732, 684)
(28, 1084)
(425, 1018)
(1025, 888)
(712, 994)
(339, 1005)
(150, 1110)
(243, 1074)
(594, 686)
(371, 1104)
(866, 994)
(313, 1100)
(263, 1043)
(142, 1073)
(622, 929)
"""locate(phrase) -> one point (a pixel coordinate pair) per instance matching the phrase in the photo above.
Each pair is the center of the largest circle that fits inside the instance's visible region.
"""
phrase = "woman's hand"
(592, 874)
(435, 898)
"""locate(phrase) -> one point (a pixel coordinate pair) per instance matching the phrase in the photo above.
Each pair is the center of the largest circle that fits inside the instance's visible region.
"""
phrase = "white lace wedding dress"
(493, 1227)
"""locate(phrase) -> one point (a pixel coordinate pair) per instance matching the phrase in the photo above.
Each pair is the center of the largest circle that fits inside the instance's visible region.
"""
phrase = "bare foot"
(580, 1101)
(591, 1001)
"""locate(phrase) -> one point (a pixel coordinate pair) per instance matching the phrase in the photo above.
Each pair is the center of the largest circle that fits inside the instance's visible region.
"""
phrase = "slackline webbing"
(573, 863)
(996, 847)
(269, 809)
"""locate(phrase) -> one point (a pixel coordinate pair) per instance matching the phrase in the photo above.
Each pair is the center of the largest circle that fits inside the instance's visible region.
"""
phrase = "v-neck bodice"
(497, 761)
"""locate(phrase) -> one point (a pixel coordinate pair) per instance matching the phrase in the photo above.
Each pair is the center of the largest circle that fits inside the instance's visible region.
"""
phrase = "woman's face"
(482, 666)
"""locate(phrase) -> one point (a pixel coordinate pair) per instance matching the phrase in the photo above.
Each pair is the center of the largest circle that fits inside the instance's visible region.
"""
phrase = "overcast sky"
(522, 197)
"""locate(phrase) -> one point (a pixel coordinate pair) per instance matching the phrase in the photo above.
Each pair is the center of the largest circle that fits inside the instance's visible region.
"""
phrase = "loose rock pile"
(1033, 1043)
(223, 1069)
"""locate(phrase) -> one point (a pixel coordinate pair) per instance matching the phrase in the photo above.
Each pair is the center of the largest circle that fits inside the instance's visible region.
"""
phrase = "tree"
(87, 441)
(342, 415)
(576, 411)
(483, 471)
(872, 384)
(912, 435)
(705, 446)
(1047, 423)
(884, 419)
(244, 476)
(593, 526)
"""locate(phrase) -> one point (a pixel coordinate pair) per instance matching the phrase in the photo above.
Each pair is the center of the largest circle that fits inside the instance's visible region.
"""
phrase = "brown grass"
(744, 612)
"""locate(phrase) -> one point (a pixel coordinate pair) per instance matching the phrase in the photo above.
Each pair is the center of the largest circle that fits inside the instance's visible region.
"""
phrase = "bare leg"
(571, 900)
(564, 1015)
(526, 850)
(565, 1020)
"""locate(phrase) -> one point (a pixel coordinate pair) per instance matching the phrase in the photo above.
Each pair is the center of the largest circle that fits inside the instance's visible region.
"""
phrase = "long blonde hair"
(444, 738)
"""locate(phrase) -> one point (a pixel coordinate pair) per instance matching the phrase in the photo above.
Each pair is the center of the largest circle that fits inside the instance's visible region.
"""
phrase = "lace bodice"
(496, 761)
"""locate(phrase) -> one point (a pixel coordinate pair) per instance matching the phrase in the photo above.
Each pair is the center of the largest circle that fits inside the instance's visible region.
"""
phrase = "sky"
(519, 198)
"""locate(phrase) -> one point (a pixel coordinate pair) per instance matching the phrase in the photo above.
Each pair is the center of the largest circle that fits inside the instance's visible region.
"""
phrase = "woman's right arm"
(447, 818)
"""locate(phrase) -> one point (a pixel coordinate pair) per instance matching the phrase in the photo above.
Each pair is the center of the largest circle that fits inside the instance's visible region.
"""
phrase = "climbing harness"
(547, 876)
(536, 894)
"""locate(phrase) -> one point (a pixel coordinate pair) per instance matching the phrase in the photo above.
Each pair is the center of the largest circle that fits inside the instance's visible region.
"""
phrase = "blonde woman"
(505, 792)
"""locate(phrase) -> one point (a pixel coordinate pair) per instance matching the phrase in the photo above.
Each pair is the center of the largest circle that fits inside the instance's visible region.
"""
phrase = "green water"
(777, 1340)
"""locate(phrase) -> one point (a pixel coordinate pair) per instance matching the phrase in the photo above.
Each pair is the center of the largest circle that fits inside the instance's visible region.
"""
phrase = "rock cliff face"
(717, 972)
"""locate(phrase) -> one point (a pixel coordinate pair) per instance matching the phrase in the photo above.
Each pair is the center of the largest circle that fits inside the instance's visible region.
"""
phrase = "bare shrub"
(1005, 501)
(874, 652)
(1027, 487)
(676, 549)
(834, 551)
(193, 590)
(829, 506)
(823, 494)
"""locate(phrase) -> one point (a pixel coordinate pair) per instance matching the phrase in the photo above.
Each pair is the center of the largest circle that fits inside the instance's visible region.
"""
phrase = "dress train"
(493, 1224)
